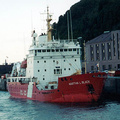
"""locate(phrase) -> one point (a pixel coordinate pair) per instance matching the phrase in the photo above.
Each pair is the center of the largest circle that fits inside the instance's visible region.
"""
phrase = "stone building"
(103, 52)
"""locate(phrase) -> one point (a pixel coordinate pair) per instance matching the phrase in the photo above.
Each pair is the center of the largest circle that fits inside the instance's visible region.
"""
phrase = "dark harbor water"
(20, 109)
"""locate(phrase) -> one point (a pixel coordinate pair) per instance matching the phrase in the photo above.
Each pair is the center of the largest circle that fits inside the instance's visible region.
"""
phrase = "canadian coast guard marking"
(82, 82)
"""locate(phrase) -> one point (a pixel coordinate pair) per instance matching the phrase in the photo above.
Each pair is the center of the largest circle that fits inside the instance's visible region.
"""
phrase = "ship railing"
(68, 40)
(21, 79)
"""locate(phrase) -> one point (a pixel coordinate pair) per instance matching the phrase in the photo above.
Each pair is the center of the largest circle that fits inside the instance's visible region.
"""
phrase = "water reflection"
(24, 109)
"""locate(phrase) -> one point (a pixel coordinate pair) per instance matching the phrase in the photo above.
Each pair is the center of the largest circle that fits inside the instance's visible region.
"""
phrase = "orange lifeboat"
(24, 64)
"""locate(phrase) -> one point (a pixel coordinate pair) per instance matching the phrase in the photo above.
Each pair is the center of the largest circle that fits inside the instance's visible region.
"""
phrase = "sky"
(17, 20)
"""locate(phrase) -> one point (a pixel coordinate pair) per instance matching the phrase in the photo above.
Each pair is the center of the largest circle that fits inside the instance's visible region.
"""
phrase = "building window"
(114, 45)
(109, 51)
(58, 71)
(92, 68)
(109, 67)
(97, 52)
(103, 51)
(92, 52)
(118, 48)
(103, 67)
(118, 66)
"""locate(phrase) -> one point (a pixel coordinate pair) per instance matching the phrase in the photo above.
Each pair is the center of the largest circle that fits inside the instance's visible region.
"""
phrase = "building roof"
(106, 36)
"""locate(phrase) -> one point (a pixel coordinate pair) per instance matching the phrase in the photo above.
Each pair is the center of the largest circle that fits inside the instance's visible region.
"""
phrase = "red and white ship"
(52, 72)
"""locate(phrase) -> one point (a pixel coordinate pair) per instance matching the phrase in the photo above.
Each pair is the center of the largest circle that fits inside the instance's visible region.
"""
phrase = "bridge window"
(74, 49)
(61, 50)
(65, 50)
(48, 50)
(57, 50)
(43, 50)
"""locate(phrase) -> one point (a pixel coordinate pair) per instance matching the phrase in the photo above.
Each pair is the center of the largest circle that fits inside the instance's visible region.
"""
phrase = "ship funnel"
(49, 27)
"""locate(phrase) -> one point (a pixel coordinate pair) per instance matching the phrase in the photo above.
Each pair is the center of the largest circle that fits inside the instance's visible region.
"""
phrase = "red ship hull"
(76, 88)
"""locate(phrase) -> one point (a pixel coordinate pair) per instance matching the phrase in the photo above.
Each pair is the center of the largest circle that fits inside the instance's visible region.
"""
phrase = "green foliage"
(90, 18)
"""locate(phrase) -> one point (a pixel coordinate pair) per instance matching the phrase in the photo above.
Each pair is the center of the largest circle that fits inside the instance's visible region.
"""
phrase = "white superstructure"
(50, 59)
(47, 61)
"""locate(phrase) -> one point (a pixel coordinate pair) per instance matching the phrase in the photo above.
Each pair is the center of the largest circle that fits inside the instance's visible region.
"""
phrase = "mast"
(71, 25)
(85, 56)
(49, 28)
(68, 25)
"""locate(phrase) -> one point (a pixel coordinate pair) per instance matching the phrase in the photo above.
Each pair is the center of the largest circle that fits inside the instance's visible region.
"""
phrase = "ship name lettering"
(82, 82)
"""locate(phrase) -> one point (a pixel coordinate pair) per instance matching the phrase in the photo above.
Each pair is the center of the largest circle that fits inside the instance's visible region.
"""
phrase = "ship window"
(77, 51)
(65, 50)
(39, 50)
(70, 49)
(61, 50)
(65, 78)
(48, 50)
(43, 50)
(53, 50)
(46, 87)
(43, 78)
(75, 60)
(57, 71)
(37, 61)
(57, 50)
(45, 70)
(69, 68)
(38, 70)
(52, 87)
(53, 60)
(64, 68)
(74, 49)
(44, 61)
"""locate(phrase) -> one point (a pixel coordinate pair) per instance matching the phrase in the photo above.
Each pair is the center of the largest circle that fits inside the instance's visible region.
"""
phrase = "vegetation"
(90, 18)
